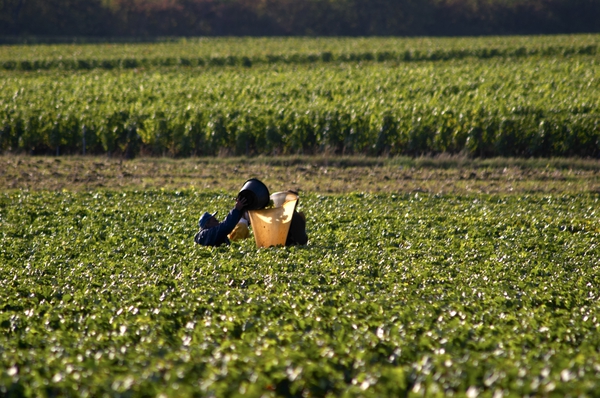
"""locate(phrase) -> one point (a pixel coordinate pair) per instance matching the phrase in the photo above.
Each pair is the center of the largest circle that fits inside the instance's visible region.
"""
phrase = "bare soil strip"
(333, 175)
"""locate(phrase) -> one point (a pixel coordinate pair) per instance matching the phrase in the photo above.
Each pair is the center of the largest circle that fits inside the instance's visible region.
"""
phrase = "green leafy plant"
(105, 292)
(532, 107)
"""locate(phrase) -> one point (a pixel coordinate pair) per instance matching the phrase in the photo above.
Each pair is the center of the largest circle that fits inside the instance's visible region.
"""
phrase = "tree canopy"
(151, 18)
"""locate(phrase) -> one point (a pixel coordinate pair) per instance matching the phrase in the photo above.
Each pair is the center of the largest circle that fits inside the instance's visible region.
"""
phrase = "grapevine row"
(409, 55)
(293, 50)
(185, 134)
(532, 107)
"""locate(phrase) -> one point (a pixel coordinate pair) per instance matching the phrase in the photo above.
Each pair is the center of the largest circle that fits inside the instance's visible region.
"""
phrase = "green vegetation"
(455, 274)
(246, 52)
(542, 106)
(104, 292)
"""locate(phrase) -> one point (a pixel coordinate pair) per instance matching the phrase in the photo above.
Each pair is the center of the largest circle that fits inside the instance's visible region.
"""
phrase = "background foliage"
(151, 18)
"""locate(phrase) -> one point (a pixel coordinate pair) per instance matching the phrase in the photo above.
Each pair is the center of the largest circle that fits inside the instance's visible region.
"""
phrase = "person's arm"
(217, 235)
(220, 232)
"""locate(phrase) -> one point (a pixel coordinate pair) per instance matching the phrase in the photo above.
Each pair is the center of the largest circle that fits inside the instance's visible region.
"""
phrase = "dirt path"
(304, 174)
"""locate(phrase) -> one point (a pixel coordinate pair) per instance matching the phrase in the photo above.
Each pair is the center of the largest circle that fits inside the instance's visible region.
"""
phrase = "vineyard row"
(408, 55)
(494, 107)
(184, 134)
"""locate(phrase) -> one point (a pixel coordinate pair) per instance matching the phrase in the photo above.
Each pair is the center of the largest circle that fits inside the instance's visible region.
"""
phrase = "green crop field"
(513, 96)
(463, 274)
(104, 293)
(250, 51)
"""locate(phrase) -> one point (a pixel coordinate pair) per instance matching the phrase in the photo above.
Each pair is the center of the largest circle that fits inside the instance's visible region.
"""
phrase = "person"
(214, 233)
(297, 233)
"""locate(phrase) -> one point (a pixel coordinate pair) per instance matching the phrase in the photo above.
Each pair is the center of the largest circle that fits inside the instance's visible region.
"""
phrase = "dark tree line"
(151, 18)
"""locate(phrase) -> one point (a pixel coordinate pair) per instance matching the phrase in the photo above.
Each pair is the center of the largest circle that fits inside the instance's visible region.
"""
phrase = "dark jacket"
(297, 234)
(217, 235)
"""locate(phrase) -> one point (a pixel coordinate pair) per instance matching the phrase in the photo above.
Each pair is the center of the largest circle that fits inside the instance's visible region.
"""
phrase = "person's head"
(208, 220)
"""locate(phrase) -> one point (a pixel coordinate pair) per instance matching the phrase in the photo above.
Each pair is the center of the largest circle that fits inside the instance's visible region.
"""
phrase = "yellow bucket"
(279, 198)
(271, 226)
